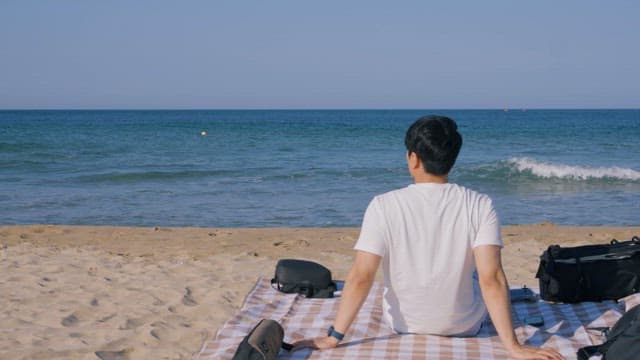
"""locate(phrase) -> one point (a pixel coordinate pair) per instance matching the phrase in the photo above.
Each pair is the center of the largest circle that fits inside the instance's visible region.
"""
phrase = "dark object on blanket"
(303, 277)
(590, 273)
(263, 342)
(623, 340)
(522, 294)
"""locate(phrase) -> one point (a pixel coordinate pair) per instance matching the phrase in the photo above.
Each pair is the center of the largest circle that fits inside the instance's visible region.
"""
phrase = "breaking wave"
(571, 172)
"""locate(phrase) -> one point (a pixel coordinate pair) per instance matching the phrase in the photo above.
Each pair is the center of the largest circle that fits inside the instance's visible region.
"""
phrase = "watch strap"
(333, 333)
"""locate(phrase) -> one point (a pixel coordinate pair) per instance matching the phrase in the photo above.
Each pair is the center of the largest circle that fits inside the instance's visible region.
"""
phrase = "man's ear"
(413, 160)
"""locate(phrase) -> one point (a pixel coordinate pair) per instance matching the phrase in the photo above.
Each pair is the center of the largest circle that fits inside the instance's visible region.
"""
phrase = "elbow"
(359, 278)
(492, 281)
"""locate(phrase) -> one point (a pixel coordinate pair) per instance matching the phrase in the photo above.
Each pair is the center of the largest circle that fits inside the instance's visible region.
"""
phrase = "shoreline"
(90, 292)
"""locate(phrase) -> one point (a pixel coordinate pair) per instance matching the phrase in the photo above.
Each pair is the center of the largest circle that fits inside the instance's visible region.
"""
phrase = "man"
(439, 244)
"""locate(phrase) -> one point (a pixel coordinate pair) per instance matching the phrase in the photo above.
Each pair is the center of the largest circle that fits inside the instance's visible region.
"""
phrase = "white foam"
(550, 170)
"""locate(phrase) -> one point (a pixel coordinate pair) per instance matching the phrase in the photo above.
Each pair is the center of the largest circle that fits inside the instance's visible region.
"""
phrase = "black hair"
(436, 141)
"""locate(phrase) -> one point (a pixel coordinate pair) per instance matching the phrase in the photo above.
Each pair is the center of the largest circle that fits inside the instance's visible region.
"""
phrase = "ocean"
(272, 168)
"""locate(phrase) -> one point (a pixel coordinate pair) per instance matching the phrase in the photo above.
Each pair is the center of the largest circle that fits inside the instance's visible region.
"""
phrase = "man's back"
(425, 234)
(430, 237)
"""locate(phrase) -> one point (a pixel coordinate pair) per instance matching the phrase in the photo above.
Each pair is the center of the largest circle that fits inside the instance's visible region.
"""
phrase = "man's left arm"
(356, 288)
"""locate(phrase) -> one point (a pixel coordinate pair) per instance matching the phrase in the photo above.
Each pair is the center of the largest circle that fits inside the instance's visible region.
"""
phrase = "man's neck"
(430, 178)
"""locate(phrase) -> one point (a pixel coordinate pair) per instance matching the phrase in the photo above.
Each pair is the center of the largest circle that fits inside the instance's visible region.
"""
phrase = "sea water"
(306, 168)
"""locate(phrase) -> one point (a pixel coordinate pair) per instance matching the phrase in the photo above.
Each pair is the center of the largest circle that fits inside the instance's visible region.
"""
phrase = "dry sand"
(75, 292)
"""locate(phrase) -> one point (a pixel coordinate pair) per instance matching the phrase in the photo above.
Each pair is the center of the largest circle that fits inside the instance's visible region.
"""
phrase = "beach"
(104, 292)
(156, 164)
(174, 215)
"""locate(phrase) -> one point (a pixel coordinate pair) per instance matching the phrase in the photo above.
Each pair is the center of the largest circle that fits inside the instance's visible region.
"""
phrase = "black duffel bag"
(303, 277)
(590, 273)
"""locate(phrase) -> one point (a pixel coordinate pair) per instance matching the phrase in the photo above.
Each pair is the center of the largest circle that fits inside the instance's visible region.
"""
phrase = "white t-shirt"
(426, 233)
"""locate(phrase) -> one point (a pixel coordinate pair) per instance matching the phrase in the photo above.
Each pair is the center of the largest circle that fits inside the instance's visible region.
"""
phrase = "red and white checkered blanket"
(565, 329)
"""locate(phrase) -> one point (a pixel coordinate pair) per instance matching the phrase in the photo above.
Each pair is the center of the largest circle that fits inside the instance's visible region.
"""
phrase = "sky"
(319, 55)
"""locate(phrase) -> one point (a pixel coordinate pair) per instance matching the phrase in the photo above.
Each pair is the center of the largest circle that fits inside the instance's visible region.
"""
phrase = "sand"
(88, 292)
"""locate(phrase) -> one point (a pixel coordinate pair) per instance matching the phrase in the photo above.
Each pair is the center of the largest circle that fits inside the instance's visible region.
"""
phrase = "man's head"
(436, 142)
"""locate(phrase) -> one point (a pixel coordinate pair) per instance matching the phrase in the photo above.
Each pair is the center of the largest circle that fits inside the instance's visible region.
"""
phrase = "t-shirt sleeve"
(373, 232)
(489, 227)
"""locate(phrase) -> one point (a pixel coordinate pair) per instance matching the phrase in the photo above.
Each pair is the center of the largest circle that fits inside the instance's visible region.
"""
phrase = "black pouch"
(590, 273)
(623, 340)
(303, 277)
(263, 342)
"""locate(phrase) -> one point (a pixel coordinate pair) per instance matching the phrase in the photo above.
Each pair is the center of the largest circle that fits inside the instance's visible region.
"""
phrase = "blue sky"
(323, 54)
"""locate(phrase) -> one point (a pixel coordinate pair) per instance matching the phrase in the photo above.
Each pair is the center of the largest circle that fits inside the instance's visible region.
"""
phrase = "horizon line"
(504, 109)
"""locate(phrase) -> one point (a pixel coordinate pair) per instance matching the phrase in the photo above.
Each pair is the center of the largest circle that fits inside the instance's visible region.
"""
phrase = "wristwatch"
(332, 332)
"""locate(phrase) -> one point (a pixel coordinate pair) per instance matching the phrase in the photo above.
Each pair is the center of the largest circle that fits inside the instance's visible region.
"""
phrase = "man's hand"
(327, 342)
(532, 353)
(356, 289)
(495, 291)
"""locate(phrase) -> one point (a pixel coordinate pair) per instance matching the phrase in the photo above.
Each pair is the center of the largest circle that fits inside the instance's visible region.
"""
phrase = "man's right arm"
(495, 292)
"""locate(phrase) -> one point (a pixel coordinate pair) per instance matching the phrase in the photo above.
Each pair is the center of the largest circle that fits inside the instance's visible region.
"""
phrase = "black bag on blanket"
(623, 340)
(263, 342)
(303, 277)
(590, 273)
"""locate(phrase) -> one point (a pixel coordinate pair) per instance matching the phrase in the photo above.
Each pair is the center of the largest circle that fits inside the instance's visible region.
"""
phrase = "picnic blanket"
(565, 329)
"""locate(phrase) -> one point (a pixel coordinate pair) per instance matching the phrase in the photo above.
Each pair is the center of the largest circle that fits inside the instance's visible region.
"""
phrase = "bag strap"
(586, 352)
(305, 288)
(551, 262)
(325, 293)
(277, 283)
(634, 240)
